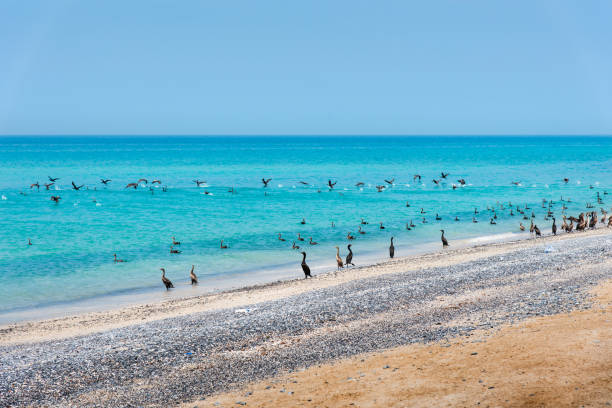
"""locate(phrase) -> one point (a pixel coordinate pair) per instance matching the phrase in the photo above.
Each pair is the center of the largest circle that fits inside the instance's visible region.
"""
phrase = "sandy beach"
(192, 351)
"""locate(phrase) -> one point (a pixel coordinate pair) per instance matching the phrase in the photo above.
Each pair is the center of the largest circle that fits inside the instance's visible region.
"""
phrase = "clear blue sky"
(309, 67)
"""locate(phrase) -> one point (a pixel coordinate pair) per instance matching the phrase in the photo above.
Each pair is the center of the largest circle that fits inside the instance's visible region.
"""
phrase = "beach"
(194, 351)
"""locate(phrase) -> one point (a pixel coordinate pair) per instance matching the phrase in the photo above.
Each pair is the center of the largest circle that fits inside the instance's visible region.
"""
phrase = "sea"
(69, 266)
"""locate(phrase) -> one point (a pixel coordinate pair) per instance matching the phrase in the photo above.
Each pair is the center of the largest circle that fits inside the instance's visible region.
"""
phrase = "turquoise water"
(74, 241)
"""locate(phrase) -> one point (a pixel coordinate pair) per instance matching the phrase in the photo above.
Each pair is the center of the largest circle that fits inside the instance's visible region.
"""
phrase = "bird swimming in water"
(438, 218)
(300, 237)
(412, 224)
(193, 276)
(132, 185)
(77, 188)
(223, 246)
(265, 181)
(381, 226)
(338, 259)
(391, 249)
(474, 220)
(363, 222)
(305, 267)
(312, 242)
(174, 251)
(416, 176)
(349, 257)
(116, 260)
(29, 242)
(456, 218)
(280, 238)
(295, 246)
(167, 283)
(380, 189)
(53, 180)
(175, 242)
(56, 199)
(492, 222)
(443, 239)
(566, 180)
(362, 232)
(303, 222)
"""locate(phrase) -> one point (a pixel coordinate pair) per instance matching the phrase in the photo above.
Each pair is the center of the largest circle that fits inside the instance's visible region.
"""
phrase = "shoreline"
(166, 356)
(82, 323)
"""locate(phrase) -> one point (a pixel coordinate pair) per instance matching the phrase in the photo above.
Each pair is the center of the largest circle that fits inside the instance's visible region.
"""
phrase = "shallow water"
(74, 241)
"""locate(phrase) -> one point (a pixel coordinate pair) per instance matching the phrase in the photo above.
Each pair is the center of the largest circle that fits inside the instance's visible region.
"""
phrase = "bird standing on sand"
(165, 280)
(537, 231)
(338, 259)
(391, 249)
(305, 267)
(554, 226)
(193, 276)
(443, 239)
(349, 257)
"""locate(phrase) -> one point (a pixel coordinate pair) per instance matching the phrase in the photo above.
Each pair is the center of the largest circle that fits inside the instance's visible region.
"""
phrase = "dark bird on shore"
(77, 188)
(391, 249)
(349, 257)
(280, 238)
(167, 283)
(554, 226)
(174, 251)
(443, 175)
(143, 180)
(311, 242)
(35, 185)
(223, 246)
(199, 183)
(338, 259)
(175, 242)
(303, 222)
(443, 239)
(300, 237)
(566, 180)
(156, 182)
(265, 181)
(570, 227)
(105, 181)
(132, 185)
(305, 267)
(390, 181)
(360, 184)
(610, 222)
(117, 260)
(47, 185)
(193, 276)
(304, 183)
(295, 246)
(56, 199)
(461, 181)
(331, 185)
(537, 231)
(53, 180)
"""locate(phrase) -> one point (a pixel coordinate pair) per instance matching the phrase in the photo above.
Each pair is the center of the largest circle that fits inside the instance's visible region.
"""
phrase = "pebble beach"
(187, 350)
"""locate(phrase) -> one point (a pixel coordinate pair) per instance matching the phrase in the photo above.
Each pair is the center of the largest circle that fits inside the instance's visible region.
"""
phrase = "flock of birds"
(585, 220)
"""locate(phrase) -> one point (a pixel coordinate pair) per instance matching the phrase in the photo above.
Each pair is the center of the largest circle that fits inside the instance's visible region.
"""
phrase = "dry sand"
(65, 327)
(555, 361)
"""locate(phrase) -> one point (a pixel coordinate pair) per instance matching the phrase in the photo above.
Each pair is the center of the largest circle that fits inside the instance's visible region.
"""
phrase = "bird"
(175, 242)
(157, 181)
(312, 242)
(143, 180)
(199, 183)
(265, 182)
(566, 180)
(363, 222)
(362, 232)
(75, 187)
(443, 239)
(380, 189)
(537, 231)
(554, 226)
(436, 182)
(305, 267)
(338, 259)
(303, 222)
(416, 176)
(443, 175)
(35, 185)
(331, 185)
(223, 246)
(281, 238)
(29, 241)
(48, 185)
(116, 260)
(300, 237)
(56, 199)
(349, 236)
(53, 180)
(516, 183)
(105, 181)
(165, 280)
(193, 276)
(461, 181)
(174, 251)
(132, 185)
(390, 181)
(391, 249)
(360, 184)
(349, 257)
(381, 226)
(521, 226)
(295, 246)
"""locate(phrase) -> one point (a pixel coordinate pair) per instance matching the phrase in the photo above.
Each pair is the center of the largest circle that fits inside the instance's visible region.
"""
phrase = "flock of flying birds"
(585, 220)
